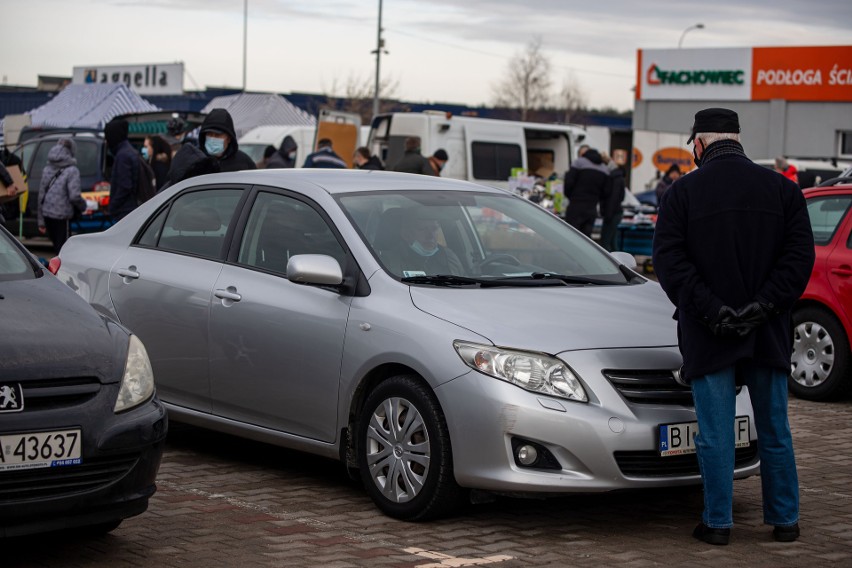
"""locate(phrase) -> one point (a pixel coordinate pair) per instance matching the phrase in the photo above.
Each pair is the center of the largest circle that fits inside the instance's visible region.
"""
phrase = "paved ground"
(227, 502)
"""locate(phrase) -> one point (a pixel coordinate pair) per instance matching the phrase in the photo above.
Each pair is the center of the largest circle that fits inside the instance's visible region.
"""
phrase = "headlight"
(137, 384)
(534, 372)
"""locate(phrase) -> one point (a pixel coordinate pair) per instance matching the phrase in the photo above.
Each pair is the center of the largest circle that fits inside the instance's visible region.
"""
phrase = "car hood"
(557, 319)
(50, 332)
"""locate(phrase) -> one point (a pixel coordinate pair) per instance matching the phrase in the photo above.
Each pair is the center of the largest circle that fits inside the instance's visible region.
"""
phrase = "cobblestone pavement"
(228, 502)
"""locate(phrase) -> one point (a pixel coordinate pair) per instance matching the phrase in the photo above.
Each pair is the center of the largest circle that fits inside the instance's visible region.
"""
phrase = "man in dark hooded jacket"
(125, 170)
(285, 156)
(733, 250)
(218, 139)
(585, 186)
(189, 162)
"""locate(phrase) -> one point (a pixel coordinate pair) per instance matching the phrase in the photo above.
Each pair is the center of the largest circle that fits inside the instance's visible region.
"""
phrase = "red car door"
(839, 272)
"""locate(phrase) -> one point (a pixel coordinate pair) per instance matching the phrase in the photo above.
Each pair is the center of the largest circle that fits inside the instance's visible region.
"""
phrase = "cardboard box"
(21, 185)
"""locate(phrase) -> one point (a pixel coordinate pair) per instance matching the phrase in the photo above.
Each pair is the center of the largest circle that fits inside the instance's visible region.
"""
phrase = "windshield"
(13, 264)
(481, 236)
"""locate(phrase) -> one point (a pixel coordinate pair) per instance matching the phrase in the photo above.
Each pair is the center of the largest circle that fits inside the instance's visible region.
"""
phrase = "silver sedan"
(435, 335)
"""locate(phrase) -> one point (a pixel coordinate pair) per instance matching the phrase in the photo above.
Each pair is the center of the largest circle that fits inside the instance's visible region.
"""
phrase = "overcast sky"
(452, 51)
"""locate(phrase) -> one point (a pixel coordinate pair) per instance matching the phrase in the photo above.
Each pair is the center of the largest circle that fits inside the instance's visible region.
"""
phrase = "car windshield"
(13, 263)
(452, 238)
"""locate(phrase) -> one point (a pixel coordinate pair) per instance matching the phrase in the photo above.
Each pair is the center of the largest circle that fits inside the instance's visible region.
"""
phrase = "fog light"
(527, 455)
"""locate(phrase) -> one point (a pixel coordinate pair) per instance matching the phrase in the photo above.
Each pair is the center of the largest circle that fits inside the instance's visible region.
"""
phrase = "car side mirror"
(314, 269)
(625, 258)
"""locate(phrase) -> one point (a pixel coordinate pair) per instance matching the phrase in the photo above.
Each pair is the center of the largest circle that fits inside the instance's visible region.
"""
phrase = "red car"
(822, 318)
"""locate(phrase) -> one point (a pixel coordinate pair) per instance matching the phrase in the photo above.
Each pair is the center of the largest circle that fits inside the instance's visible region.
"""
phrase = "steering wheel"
(501, 258)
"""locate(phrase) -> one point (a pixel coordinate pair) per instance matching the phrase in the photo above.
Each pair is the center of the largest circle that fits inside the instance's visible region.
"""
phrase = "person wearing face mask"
(158, 154)
(285, 156)
(217, 138)
(438, 160)
(418, 253)
(733, 250)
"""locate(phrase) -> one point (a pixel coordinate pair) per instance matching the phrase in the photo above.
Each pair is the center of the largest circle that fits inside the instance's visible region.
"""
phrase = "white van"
(343, 128)
(480, 149)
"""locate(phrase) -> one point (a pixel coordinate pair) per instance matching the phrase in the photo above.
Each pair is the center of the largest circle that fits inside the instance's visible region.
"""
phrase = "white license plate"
(40, 449)
(679, 439)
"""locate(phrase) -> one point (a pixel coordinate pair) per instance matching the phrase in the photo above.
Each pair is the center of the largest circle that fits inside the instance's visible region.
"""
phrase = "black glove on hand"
(725, 323)
(754, 314)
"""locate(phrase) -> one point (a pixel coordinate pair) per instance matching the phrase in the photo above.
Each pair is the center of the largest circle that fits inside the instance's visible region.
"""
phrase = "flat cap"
(715, 120)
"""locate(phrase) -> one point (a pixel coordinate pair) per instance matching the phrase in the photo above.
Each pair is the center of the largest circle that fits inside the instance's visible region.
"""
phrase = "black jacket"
(281, 157)
(614, 194)
(374, 163)
(413, 162)
(731, 233)
(586, 181)
(233, 159)
(189, 161)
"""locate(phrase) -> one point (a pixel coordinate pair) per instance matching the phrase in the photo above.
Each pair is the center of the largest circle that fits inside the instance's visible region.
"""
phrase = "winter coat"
(729, 234)
(281, 157)
(616, 188)
(374, 163)
(233, 159)
(413, 162)
(125, 173)
(189, 162)
(586, 181)
(161, 165)
(59, 195)
(324, 158)
(662, 186)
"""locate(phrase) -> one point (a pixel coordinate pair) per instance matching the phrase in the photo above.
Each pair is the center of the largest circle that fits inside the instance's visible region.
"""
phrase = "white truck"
(479, 149)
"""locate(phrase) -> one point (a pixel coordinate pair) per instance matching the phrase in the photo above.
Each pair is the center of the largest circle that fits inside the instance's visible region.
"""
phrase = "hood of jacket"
(62, 154)
(287, 145)
(585, 163)
(115, 132)
(219, 120)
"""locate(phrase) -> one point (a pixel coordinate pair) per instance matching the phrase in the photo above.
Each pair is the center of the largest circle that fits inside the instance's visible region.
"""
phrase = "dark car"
(93, 161)
(822, 318)
(81, 428)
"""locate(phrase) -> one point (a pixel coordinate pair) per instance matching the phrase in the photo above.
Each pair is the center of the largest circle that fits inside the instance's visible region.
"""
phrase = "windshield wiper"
(443, 280)
(582, 280)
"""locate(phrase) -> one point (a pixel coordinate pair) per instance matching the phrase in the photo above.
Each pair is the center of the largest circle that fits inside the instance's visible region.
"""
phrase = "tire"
(819, 368)
(408, 470)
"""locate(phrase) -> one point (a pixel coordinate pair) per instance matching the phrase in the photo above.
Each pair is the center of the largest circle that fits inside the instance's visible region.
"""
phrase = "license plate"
(40, 449)
(679, 439)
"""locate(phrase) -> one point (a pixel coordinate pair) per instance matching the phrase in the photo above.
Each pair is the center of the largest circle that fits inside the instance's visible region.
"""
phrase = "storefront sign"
(637, 157)
(153, 79)
(760, 73)
(664, 158)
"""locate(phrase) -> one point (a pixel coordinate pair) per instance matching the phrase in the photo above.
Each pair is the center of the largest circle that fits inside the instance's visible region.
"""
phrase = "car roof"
(338, 181)
(828, 189)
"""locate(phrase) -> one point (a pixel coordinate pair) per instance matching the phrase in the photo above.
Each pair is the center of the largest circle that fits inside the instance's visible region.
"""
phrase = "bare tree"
(572, 99)
(527, 83)
(357, 95)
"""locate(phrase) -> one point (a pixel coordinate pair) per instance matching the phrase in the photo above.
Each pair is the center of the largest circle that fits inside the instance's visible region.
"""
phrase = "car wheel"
(820, 361)
(404, 452)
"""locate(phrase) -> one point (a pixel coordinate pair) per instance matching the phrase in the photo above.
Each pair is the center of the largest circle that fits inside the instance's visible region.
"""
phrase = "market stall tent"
(250, 110)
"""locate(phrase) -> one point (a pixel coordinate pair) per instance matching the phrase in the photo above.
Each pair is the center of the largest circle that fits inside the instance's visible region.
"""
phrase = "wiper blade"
(567, 279)
(442, 280)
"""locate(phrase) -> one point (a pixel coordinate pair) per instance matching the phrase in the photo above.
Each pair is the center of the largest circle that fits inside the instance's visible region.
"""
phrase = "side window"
(196, 223)
(493, 161)
(280, 227)
(826, 213)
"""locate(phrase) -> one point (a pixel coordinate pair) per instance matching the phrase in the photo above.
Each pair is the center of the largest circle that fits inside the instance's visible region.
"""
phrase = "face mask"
(418, 248)
(292, 155)
(214, 146)
(695, 157)
(145, 152)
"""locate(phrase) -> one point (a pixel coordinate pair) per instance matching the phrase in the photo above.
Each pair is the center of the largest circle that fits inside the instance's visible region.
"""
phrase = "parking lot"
(228, 502)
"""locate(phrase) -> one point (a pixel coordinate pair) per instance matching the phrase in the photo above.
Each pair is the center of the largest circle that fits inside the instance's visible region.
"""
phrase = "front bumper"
(121, 456)
(597, 444)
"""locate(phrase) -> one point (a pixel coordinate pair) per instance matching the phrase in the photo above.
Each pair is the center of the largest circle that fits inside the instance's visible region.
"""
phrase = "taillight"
(54, 264)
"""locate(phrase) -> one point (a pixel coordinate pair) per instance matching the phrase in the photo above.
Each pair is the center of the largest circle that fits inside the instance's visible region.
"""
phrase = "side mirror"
(625, 258)
(314, 269)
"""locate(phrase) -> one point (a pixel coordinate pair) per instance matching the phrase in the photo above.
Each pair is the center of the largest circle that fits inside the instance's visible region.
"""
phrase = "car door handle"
(229, 294)
(128, 272)
(842, 271)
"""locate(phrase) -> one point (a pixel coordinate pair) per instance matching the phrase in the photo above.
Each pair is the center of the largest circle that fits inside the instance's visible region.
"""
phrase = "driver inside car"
(419, 253)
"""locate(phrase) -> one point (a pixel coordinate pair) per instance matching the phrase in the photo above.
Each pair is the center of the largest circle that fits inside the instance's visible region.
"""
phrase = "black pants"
(58, 230)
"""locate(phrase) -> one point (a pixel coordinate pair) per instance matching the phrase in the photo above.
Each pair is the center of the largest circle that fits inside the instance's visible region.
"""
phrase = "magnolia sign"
(151, 79)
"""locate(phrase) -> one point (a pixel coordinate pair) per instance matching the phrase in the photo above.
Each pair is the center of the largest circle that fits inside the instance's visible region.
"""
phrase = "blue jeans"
(714, 396)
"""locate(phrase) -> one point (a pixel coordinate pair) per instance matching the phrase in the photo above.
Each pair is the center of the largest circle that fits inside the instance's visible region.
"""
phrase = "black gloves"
(739, 323)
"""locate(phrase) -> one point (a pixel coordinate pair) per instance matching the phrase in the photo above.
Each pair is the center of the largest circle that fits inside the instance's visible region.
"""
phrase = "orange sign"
(802, 73)
(664, 158)
(637, 157)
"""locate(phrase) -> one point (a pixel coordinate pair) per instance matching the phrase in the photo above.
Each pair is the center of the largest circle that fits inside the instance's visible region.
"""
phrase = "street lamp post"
(245, 40)
(695, 27)
(380, 45)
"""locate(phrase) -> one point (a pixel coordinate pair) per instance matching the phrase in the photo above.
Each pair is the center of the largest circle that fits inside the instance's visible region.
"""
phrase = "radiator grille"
(650, 464)
(49, 394)
(649, 387)
(93, 473)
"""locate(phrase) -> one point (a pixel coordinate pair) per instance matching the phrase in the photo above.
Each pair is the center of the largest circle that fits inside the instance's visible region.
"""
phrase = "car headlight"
(534, 372)
(137, 384)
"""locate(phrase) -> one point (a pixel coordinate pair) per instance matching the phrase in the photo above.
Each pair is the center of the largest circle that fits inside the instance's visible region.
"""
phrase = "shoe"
(786, 534)
(712, 536)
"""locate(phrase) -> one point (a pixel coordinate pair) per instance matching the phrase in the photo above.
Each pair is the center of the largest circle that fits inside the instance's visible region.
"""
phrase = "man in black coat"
(125, 170)
(733, 250)
(218, 139)
(586, 184)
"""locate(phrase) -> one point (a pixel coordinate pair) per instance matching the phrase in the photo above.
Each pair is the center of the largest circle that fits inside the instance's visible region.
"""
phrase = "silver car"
(435, 335)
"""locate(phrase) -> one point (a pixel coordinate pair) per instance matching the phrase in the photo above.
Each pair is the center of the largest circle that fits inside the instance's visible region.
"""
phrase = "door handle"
(229, 294)
(128, 273)
(843, 270)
